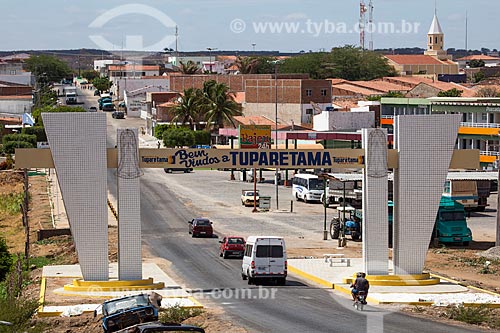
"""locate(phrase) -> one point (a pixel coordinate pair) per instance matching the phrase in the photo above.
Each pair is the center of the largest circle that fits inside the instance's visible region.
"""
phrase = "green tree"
(188, 108)
(48, 68)
(348, 62)
(38, 131)
(102, 83)
(479, 76)
(90, 74)
(450, 93)
(178, 137)
(247, 65)
(189, 68)
(476, 63)
(201, 137)
(219, 105)
(5, 259)
(390, 94)
(31, 139)
(37, 112)
(159, 129)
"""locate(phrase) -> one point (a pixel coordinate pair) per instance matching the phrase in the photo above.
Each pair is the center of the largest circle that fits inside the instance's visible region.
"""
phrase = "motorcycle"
(360, 300)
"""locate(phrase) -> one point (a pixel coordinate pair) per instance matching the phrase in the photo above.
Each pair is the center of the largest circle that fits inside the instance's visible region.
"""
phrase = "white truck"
(70, 95)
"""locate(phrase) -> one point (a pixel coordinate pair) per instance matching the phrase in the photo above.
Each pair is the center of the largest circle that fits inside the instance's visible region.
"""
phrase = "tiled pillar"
(375, 215)
(425, 146)
(129, 205)
(77, 141)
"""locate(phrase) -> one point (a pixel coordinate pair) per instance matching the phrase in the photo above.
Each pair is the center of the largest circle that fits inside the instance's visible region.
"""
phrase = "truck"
(472, 194)
(450, 227)
(336, 192)
(71, 98)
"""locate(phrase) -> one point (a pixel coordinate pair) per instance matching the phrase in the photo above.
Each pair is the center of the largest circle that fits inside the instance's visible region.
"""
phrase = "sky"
(260, 25)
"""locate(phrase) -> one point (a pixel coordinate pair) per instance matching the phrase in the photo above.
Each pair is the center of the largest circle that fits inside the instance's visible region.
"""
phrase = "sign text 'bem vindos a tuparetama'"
(288, 159)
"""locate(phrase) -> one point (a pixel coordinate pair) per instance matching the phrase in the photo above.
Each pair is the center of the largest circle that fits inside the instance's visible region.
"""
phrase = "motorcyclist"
(360, 284)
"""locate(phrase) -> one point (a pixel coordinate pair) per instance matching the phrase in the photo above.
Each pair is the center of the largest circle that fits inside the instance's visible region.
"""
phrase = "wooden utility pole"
(25, 209)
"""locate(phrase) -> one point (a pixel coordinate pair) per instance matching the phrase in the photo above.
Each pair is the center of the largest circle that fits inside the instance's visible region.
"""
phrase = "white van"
(264, 258)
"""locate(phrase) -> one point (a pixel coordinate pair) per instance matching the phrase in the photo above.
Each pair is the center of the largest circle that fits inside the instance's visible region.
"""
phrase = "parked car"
(185, 170)
(265, 259)
(157, 327)
(92, 109)
(97, 93)
(232, 246)
(248, 196)
(108, 107)
(118, 114)
(123, 312)
(201, 227)
(122, 104)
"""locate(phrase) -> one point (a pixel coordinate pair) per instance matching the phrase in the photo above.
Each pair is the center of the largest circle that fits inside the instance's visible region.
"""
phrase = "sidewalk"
(445, 293)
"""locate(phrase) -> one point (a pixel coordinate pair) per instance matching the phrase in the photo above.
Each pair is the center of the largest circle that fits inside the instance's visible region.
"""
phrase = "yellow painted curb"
(102, 286)
(49, 314)
(41, 300)
(423, 276)
(423, 279)
(310, 277)
(464, 285)
(197, 305)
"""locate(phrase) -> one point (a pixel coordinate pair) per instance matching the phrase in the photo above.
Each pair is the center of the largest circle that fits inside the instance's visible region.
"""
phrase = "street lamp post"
(210, 49)
(276, 124)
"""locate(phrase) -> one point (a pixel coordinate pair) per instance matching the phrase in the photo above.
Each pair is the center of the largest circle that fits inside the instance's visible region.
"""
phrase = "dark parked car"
(92, 109)
(123, 312)
(108, 107)
(201, 227)
(118, 114)
(157, 327)
(97, 93)
(232, 246)
(185, 170)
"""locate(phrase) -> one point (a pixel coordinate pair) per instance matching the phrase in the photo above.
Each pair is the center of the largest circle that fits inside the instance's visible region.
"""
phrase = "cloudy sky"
(284, 25)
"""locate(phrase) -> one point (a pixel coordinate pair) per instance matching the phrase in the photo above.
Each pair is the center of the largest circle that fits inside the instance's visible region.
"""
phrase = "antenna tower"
(370, 24)
(362, 23)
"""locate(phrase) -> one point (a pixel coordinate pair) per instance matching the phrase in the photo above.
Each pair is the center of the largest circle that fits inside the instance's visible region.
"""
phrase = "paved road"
(169, 201)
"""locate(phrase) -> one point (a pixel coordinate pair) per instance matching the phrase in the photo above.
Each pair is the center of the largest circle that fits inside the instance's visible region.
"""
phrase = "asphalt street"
(169, 201)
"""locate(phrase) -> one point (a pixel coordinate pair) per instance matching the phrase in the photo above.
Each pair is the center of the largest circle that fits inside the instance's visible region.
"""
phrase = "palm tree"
(247, 65)
(189, 68)
(189, 107)
(219, 106)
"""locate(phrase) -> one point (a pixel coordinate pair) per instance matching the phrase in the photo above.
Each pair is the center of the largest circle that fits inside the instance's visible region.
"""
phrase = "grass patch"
(470, 314)
(177, 314)
(39, 262)
(10, 203)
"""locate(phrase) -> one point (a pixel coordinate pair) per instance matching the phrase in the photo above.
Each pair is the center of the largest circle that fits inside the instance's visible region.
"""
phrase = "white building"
(16, 105)
(121, 85)
(135, 98)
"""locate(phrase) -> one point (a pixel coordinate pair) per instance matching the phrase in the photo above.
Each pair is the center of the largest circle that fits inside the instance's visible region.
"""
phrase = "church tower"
(435, 41)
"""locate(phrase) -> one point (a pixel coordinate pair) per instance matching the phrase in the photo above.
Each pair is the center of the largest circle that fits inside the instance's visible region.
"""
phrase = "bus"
(307, 187)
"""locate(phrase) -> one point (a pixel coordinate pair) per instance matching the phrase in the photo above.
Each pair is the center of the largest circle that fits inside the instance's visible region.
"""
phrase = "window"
(323, 92)
(430, 41)
(309, 111)
(248, 250)
(269, 251)
(309, 92)
(484, 116)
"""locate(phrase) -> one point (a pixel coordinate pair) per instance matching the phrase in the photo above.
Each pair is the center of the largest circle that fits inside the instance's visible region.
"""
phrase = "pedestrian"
(159, 144)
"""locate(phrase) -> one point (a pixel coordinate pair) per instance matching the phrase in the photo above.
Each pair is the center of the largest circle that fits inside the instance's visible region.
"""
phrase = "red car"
(232, 246)
(201, 227)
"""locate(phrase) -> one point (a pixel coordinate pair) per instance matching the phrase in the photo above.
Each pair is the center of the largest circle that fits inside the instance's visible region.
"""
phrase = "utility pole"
(276, 128)
(24, 210)
(370, 24)
(362, 23)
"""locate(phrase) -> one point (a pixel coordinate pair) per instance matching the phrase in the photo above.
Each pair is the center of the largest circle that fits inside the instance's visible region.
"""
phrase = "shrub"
(470, 315)
(5, 259)
(10, 202)
(201, 137)
(19, 138)
(177, 314)
(159, 129)
(10, 147)
(178, 137)
(38, 131)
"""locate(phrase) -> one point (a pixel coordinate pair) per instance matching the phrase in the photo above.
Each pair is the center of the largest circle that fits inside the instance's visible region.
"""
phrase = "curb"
(466, 286)
(310, 277)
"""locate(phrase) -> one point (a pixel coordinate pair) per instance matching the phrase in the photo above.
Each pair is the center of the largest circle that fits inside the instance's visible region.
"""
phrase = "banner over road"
(244, 158)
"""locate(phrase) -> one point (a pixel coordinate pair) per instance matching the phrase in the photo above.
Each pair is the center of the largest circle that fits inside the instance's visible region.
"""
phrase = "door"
(262, 259)
(276, 256)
